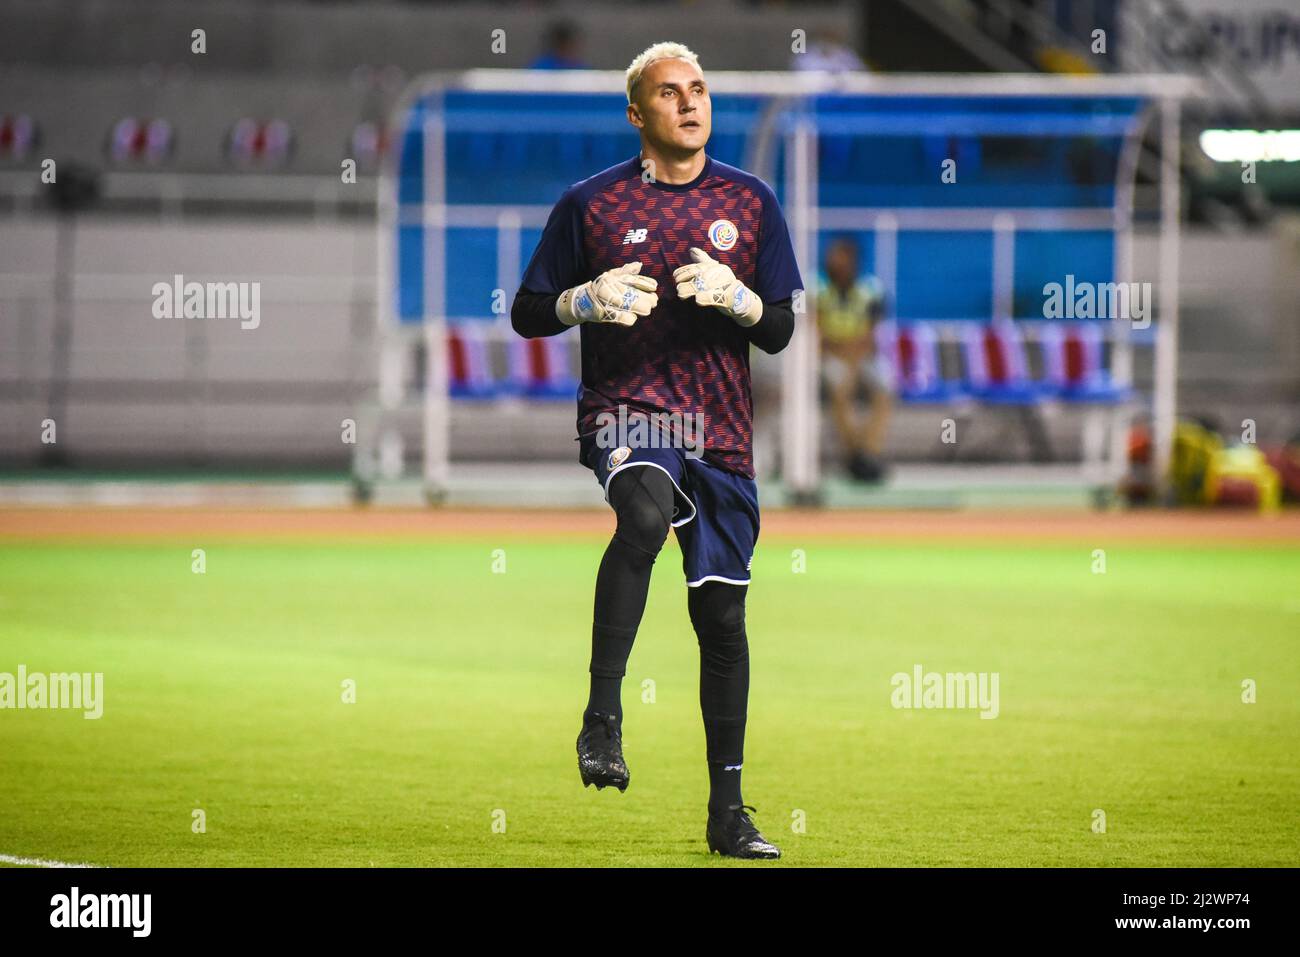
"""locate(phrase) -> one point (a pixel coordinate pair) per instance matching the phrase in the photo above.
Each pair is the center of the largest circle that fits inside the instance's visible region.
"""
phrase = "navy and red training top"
(682, 358)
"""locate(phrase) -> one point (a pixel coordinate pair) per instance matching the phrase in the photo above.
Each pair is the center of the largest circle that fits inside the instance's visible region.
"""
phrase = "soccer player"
(671, 264)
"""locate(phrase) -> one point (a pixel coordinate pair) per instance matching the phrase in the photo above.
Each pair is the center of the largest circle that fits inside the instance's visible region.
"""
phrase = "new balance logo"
(634, 236)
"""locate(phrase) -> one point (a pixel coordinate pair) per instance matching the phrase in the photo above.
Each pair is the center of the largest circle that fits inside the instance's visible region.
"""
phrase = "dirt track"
(132, 524)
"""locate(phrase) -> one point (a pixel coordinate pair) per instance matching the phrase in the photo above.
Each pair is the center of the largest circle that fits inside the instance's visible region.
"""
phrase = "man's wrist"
(746, 307)
(568, 306)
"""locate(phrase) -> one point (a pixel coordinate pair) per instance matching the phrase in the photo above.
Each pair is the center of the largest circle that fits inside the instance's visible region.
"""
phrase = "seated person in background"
(848, 309)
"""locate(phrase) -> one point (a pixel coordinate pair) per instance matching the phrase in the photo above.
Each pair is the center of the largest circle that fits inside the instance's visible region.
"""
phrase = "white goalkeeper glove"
(711, 283)
(617, 296)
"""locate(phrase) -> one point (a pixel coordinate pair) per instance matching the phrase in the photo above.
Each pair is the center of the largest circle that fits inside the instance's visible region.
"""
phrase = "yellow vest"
(848, 316)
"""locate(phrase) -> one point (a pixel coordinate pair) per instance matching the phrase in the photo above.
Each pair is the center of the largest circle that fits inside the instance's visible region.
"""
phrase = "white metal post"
(886, 260)
(1166, 371)
(1121, 345)
(799, 410)
(1004, 266)
(437, 406)
(509, 254)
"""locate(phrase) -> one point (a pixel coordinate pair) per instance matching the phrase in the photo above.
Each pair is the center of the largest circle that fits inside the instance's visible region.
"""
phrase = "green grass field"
(1118, 691)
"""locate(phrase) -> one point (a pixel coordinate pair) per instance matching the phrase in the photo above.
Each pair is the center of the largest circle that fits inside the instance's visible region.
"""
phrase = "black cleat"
(732, 834)
(600, 753)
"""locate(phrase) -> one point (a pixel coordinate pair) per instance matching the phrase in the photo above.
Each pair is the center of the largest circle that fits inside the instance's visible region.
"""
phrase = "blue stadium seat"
(912, 351)
(470, 369)
(997, 372)
(1072, 353)
(539, 368)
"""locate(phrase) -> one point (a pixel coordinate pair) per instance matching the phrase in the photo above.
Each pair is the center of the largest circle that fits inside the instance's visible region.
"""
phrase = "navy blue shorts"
(715, 512)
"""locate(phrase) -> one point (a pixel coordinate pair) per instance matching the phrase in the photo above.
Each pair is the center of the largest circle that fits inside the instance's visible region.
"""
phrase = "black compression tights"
(642, 499)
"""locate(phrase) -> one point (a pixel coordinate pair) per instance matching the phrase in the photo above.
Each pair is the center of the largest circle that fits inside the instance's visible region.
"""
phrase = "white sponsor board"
(1261, 37)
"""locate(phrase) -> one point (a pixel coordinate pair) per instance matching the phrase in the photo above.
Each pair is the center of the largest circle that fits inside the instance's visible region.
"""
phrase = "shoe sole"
(714, 849)
(602, 782)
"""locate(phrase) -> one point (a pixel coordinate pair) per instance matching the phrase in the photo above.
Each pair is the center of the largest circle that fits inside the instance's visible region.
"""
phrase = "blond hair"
(659, 51)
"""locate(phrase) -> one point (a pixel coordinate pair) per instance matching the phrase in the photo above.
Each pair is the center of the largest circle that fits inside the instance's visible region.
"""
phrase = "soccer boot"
(732, 834)
(600, 753)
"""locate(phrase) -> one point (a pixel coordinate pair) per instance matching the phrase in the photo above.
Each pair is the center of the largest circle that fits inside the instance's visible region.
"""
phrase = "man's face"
(841, 264)
(672, 107)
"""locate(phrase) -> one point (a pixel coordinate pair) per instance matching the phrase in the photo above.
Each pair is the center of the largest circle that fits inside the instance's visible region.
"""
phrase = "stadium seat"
(18, 136)
(996, 369)
(997, 374)
(539, 368)
(470, 370)
(912, 351)
(1072, 356)
(140, 140)
(1074, 371)
(261, 144)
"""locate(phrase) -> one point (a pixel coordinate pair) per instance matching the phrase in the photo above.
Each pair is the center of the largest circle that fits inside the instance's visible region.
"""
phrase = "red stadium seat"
(912, 352)
(1072, 354)
(996, 369)
(469, 368)
(539, 368)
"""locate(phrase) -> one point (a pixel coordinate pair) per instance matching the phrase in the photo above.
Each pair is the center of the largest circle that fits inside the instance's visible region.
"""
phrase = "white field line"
(36, 862)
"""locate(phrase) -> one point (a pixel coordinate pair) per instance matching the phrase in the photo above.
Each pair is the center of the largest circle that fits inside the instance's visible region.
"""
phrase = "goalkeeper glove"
(617, 295)
(711, 283)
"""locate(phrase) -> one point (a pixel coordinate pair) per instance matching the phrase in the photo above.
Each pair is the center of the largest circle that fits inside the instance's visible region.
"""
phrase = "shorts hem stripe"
(717, 578)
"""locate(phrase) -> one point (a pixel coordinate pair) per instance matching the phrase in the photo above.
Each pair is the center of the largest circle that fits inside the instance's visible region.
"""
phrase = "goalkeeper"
(671, 264)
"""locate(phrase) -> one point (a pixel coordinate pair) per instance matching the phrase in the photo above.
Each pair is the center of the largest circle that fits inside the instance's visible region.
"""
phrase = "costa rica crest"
(723, 234)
